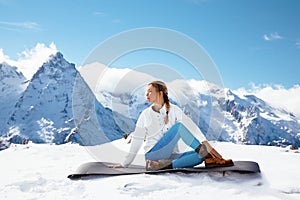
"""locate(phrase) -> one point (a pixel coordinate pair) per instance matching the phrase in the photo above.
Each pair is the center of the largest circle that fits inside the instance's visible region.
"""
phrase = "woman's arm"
(137, 138)
(136, 143)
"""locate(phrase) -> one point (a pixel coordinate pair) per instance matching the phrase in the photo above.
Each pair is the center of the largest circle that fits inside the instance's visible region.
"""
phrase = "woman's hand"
(115, 166)
(211, 150)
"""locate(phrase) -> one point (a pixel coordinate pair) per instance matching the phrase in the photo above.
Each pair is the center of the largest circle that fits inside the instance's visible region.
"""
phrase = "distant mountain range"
(49, 109)
(221, 114)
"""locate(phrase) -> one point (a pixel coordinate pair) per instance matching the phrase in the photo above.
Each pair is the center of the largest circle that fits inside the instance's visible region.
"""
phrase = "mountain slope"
(12, 84)
(262, 123)
(44, 112)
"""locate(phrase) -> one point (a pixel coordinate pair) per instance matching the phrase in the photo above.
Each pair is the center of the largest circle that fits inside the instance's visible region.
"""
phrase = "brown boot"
(217, 162)
(210, 161)
(202, 150)
(152, 165)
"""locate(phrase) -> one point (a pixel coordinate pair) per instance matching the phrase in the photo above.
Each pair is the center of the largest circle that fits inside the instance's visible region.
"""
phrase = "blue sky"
(250, 41)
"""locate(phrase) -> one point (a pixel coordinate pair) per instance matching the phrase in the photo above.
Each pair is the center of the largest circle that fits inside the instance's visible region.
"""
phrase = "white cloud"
(98, 13)
(272, 36)
(298, 44)
(19, 26)
(277, 96)
(102, 78)
(3, 58)
(31, 59)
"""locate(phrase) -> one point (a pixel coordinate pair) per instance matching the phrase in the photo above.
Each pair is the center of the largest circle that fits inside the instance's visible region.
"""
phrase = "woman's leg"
(187, 137)
(163, 149)
(187, 159)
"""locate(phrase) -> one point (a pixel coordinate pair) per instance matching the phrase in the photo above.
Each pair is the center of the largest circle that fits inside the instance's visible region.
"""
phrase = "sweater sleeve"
(137, 138)
(136, 143)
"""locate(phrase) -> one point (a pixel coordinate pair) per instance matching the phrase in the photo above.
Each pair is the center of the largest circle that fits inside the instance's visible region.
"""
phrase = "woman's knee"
(179, 124)
(176, 127)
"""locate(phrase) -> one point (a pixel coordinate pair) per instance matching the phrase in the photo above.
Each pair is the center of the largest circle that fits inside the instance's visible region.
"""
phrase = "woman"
(161, 126)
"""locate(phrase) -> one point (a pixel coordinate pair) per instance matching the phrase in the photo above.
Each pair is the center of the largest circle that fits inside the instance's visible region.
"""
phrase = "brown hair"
(162, 87)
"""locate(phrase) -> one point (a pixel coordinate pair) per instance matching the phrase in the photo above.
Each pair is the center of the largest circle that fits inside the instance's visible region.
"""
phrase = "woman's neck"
(157, 106)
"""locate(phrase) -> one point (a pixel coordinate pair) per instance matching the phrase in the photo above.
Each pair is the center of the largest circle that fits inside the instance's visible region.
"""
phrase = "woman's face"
(152, 95)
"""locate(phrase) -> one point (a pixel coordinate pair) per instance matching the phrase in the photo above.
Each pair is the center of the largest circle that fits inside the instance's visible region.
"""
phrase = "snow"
(39, 171)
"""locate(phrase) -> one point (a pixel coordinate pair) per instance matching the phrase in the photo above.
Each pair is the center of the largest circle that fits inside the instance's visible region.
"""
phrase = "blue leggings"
(164, 148)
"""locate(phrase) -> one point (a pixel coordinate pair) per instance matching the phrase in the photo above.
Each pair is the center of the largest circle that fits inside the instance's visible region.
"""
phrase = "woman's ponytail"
(167, 102)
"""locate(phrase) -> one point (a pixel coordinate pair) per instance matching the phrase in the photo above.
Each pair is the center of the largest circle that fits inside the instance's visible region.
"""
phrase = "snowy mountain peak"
(55, 67)
(58, 60)
(44, 113)
(44, 110)
(7, 71)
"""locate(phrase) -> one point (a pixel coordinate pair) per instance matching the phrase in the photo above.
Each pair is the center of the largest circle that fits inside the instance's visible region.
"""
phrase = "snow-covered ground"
(39, 171)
